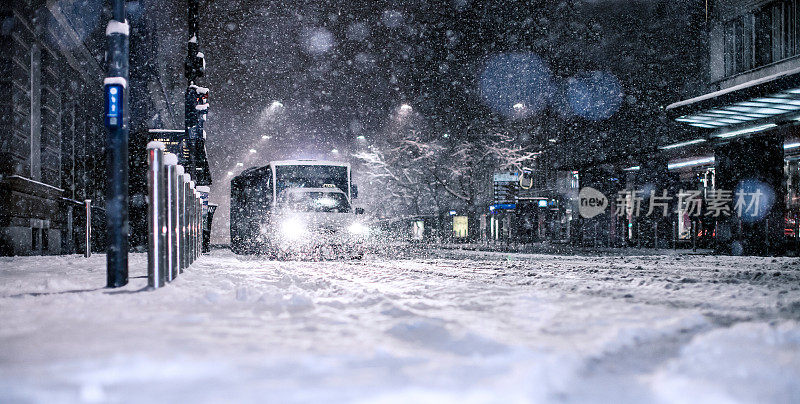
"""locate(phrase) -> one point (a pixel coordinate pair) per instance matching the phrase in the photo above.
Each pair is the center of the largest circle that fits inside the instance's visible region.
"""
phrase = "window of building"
(765, 35)
(35, 238)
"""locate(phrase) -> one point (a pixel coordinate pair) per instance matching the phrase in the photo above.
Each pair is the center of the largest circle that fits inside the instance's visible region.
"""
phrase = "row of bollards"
(174, 217)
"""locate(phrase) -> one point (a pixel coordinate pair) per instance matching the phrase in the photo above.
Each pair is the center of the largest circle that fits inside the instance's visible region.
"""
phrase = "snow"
(115, 81)
(193, 39)
(155, 144)
(116, 27)
(39, 183)
(738, 87)
(203, 188)
(201, 107)
(170, 159)
(432, 327)
(198, 89)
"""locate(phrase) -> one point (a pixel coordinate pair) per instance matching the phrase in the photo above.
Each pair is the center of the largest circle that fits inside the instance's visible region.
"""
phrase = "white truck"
(297, 208)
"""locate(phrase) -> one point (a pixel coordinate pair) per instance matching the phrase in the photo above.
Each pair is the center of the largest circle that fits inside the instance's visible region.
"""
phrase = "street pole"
(192, 73)
(116, 122)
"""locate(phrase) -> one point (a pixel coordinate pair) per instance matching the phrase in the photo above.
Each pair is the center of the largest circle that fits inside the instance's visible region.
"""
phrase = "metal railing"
(174, 213)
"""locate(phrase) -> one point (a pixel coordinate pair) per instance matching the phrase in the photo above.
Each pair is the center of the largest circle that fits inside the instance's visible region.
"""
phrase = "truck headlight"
(293, 229)
(358, 229)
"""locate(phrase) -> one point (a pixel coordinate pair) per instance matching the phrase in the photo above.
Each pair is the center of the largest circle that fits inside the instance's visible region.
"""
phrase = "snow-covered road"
(435, 326)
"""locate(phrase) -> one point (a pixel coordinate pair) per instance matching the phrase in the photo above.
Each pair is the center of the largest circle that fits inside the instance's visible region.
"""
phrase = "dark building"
(52, 139)
(744, 129)
(51, 134)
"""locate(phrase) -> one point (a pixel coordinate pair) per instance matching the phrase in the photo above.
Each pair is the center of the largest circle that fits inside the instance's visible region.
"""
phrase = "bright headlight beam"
(292, 229)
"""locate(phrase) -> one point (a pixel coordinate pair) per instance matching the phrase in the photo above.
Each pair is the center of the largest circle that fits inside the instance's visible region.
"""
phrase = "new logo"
(592, 202)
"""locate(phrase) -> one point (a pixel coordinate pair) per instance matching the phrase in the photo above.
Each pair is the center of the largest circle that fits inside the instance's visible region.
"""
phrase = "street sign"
(506, 188)
(113, 105)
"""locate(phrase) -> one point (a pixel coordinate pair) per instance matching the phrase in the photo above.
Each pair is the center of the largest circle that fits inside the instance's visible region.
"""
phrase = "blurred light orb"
(594, 95)
(392, 18)
(405, 109)
(756, 200)
(515, 84)
(317, 41)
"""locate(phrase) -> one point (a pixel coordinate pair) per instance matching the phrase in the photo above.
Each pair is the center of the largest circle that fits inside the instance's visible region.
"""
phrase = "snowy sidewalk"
(448, 326)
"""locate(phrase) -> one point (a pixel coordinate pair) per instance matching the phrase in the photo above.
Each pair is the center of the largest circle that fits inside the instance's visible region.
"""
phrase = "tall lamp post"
(115, 87)
(196, 101)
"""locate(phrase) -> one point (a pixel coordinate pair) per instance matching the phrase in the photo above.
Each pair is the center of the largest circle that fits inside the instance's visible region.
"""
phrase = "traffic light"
(196, 110)
(201, 109)
(191, 111)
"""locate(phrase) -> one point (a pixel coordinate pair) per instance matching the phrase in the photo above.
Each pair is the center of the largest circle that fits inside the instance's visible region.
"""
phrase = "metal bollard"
(197, 217)
(171, 165)
(190, 204)
(199, 232)
(194, 225)
(88, 204)
(156, 223)
(183, 184)
(200, 224)
(187, 216)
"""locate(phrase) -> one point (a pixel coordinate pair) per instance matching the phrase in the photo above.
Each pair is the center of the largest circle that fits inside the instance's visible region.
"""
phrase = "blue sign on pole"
(114, 105)
(503, 206)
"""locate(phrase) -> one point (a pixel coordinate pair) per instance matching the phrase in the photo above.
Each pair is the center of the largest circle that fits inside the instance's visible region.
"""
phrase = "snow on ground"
(427, 326)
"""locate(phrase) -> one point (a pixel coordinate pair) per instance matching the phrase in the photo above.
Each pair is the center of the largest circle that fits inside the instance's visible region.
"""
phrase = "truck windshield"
(315, 201)
(310, 176)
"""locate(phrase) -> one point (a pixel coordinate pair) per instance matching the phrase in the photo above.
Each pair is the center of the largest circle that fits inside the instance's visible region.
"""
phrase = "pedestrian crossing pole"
(115, 87)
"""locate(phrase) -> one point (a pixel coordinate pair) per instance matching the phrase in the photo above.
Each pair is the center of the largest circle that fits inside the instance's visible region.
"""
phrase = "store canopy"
(773, 96)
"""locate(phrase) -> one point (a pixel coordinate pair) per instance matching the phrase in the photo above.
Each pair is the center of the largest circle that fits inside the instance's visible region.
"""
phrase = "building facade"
(52, 138)
(51, 135)
(745, 130)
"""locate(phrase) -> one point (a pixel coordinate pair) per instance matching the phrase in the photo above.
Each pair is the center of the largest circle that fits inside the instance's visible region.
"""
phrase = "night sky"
(583, 80)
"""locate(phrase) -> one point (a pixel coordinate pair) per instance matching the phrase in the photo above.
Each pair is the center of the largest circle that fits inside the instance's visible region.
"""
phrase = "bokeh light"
(516, 84)
(595, 95)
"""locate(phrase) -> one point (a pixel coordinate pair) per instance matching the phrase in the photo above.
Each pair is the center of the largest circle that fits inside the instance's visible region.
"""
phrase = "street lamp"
(361, 137)
(335, 151)
(519, 106)
(405, 109)
(252, 151)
